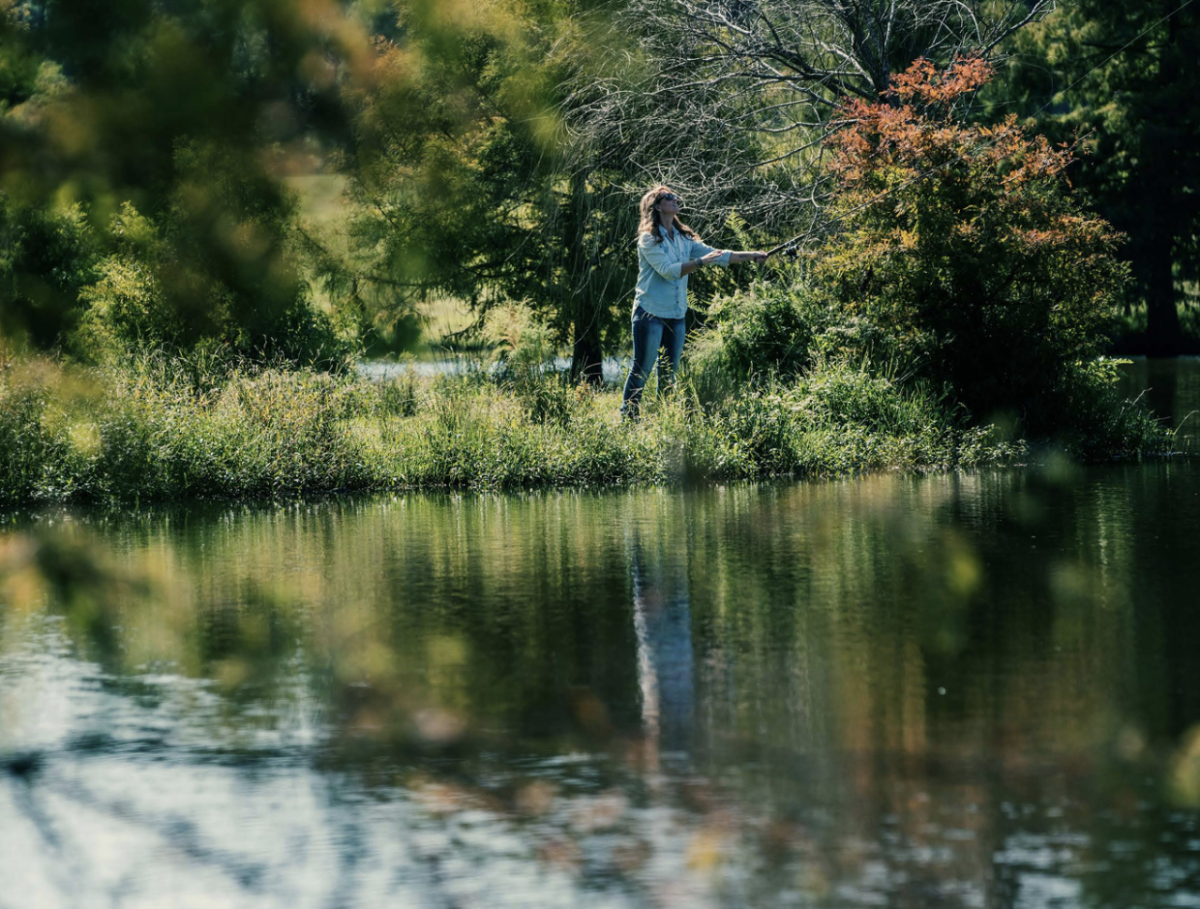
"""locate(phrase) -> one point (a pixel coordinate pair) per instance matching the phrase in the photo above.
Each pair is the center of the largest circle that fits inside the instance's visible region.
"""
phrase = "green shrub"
(48, 255)
(400, 397)
(765, 331)
(524, 360)
(839, 394)
(158, 428)
(142, 296)
(1100, 423)
(25, 449)
(960, 254)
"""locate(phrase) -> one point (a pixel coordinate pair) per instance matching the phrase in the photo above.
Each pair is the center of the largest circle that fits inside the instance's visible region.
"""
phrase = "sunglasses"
(668, 197)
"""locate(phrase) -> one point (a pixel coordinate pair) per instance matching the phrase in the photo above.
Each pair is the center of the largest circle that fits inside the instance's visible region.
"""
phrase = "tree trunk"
(586, 357)
(1163, 334)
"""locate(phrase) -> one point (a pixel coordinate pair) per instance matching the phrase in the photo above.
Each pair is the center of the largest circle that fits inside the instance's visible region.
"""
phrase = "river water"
(976, 690)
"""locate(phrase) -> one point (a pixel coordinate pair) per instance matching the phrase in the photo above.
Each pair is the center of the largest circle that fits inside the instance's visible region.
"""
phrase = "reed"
(155, 428)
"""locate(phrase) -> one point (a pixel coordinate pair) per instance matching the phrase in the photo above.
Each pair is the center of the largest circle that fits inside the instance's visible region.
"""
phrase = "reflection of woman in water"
(662, 620)
(668, 251)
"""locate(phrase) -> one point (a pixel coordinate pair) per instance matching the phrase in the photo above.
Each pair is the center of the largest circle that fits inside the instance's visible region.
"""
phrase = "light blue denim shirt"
(661, 289)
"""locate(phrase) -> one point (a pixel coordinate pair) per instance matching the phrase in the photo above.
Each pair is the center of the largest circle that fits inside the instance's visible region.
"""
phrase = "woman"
(668, 251)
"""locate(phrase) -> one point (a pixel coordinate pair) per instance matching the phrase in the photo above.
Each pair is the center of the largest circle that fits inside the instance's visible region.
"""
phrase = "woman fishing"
(668, 251)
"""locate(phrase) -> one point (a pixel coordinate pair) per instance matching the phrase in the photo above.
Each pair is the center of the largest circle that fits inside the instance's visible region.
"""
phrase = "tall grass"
(157, 428)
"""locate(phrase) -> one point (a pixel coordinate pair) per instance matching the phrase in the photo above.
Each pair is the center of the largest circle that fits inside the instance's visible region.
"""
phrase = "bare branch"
(734, 97)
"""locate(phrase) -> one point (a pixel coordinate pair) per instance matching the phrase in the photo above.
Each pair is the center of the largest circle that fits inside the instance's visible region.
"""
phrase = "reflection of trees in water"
(933, 692)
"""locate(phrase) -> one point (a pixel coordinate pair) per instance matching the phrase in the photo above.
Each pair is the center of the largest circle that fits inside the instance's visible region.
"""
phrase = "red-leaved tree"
(960, 253)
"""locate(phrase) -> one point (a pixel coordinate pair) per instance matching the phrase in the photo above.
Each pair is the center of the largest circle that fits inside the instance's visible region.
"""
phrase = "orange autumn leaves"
(912, 136)
(960, 246)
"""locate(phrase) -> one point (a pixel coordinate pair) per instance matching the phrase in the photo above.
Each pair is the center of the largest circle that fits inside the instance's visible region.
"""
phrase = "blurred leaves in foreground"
(142, 151)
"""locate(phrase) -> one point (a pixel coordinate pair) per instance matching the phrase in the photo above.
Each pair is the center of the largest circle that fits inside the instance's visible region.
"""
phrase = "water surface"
(1170, 387)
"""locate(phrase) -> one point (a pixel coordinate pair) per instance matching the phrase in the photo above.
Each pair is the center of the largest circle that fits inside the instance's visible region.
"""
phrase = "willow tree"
(465, 180)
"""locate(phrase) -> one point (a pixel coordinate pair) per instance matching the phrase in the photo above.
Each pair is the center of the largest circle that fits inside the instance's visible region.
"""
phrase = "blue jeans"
(649, 334)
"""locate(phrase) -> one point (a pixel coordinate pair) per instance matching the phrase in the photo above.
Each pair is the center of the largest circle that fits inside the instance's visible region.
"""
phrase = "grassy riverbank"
(154, 428)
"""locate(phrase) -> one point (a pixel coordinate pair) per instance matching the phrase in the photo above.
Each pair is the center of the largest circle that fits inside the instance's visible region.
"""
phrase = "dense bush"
(26, 448)
(768, 331)
(141, 296)
(1096, 420)
(960, 254)
(102, 287)
(47, 256)
(963, 286)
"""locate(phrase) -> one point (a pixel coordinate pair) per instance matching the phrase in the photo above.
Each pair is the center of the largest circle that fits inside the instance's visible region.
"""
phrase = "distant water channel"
(977, 690)
(612, 368)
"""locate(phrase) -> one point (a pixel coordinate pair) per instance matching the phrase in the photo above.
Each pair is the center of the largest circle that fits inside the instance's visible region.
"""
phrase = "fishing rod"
(788, 248)
(785, 247)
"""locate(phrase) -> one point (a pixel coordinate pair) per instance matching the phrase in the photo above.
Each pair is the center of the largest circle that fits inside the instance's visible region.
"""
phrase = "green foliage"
(487, 194)
(126, 305)
(963, 250)
(25, 449)
(1100, 424)
(524, 361)
(838, 395)
(764, 332)
(1125, 76)
(142, 187)
(155, 428)
(965, 284)
(144, 223)
(400, 397)
(47, 256)
(444, 197)
(146, 430)
(143, 297)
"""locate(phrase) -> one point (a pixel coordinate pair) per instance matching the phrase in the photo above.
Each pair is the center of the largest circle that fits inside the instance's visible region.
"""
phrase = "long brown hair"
(651, 219)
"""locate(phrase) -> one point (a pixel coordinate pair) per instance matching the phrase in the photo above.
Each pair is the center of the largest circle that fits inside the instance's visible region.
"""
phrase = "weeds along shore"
(155, 428)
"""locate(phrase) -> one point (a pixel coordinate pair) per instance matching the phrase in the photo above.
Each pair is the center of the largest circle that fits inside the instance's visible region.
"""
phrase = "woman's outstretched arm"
(746, 256)
(723, 257)
(709, 258)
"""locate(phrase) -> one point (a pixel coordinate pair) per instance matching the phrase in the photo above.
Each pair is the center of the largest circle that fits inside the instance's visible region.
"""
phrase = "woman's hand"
(707, 259)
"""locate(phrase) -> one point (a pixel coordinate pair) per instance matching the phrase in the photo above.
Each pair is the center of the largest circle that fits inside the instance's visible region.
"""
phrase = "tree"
(467, 182)
(960, 254)
(1126, 76)
(774, 72)
(192, 113)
